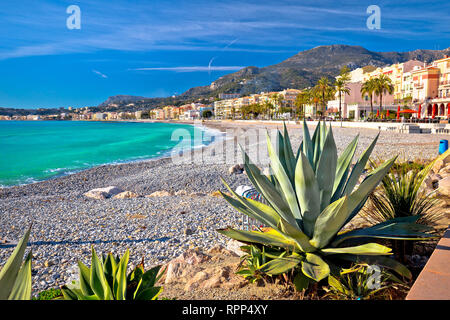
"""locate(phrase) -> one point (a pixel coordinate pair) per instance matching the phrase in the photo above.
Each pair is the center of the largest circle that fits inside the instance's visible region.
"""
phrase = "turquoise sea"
(31, 151)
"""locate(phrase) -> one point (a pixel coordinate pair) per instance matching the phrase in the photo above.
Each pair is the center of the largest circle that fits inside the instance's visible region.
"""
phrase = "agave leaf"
(22, 286)
(84, 279)
(149, 293)
(280, 265)
(359, 167)
(297, 235)
(326, 170)
(289, 155)
(120, 279)
(383, 261)
(336, 284)
(68, 294)
(316, 146)
(307, 193)
(283, 180)
(358, 198)
(267, 189)
(11, 268)
(301, 282)
(365, 249)
(252, 208)
(329, 222)
(97, 279)
(307, 145)
(400, 231)
(342, 168)
(265, 238)
(314, 267)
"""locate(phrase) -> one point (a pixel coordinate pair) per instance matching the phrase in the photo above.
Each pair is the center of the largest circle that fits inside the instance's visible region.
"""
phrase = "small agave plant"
(310, 197)
(107, 279)
(15, 277)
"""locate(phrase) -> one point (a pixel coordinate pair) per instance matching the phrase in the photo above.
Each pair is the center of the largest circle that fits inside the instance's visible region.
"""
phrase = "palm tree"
(368, 88)
(383, 85)
(341, 86)
(325, 91)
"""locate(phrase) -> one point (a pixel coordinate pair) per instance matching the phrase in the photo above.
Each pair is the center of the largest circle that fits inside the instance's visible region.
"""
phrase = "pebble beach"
(66, 224)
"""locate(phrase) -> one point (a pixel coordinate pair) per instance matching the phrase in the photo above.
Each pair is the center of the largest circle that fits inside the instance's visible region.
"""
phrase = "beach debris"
(236, 169)
(103, 193)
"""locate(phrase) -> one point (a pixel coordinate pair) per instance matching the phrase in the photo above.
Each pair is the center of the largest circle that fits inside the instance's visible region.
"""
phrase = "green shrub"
(50, 294)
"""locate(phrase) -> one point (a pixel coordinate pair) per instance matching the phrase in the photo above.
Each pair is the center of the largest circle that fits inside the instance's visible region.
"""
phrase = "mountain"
(299, 71)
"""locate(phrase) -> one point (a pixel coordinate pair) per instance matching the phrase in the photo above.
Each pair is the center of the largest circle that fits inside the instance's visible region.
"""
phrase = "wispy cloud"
(192, 68)
(100, 74)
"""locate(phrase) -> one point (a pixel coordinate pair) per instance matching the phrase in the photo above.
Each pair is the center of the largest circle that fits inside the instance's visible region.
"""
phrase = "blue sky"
(161, 48)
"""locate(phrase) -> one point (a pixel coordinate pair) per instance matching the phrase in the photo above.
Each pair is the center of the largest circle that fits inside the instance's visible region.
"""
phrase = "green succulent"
(358, 283)
(15, 277)
(107, 279)
(310, 197)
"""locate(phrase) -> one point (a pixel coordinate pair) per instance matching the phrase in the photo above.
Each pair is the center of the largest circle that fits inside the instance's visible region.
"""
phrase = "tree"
(368, 88)
(383, 85)
(324, 91)
(302, 99)
(341, 86)
(207, 114)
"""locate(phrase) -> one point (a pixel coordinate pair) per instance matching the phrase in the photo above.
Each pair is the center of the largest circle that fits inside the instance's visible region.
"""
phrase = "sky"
(162, 48)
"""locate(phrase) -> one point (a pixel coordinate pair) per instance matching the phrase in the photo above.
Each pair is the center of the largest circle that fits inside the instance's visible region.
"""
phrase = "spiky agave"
(310, 197)
(107, 279)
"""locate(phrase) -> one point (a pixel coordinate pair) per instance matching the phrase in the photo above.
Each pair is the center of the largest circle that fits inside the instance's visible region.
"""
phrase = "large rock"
(126, 195)
(182, 265)
(103, 193)
(235, 247)
(444, 187)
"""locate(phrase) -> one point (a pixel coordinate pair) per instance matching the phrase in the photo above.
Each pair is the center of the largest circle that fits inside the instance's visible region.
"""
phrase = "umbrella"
(433, 114)
(409, 111)
(420, 111)
(387, 114)
(378, 113)
(398, 113)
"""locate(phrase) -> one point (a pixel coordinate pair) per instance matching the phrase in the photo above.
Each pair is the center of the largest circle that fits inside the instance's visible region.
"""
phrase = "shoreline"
(167, 154)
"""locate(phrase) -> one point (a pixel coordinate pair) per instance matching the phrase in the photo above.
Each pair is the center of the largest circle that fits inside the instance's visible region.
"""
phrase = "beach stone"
(438, 165)
(181, 193)
(235, 247)
(103, 193)
(126, 195)
(161, 193)
(188, 231)
(236, 169)
(220, 250)
(444, 187)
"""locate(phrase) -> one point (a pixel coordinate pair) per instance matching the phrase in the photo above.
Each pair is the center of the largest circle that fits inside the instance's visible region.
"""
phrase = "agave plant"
(310, 197)
(15, 277)
(107, 279)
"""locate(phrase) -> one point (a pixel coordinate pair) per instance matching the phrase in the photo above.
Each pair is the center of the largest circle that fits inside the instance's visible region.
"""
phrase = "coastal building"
(224, 96)
(100, 116)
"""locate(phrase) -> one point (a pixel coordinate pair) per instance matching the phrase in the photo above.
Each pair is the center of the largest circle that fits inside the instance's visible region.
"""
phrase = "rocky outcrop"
(103, 193)
(197, 270)
(439, 178)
